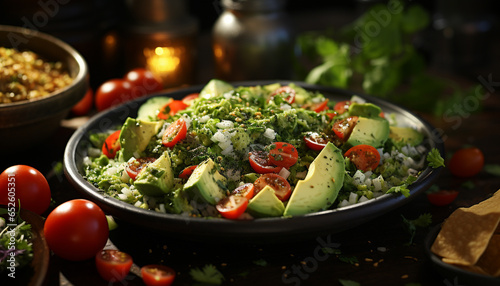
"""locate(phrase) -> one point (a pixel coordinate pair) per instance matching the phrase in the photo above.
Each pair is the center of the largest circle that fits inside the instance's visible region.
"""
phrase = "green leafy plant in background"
(376, 53)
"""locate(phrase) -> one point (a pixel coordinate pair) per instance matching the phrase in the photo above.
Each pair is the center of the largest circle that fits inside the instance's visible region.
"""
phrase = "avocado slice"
(321, 186)
(215, 87)
(206, 184)
(156, 178)
(148, 111)
(368, 110)
(370, 131)
(401, 136)
(266, 204)
(135, 136)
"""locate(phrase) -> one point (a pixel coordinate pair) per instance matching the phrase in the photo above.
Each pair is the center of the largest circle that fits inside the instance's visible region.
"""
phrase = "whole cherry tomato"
(113, 92)
(466, 162)
(26, 187)
(76, 230)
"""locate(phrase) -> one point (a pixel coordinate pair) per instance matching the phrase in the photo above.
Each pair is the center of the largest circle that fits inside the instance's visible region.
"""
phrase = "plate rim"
(267, 226)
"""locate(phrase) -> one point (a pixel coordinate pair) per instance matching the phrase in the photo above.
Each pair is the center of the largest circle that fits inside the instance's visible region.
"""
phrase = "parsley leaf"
(492, 169)
(209, 274)
(345, 282)
(260, 262)
(403, 189)
(434, 158)
(424, 220)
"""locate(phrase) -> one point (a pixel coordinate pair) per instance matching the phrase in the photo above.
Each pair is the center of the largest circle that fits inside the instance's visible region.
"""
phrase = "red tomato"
(27, 185)
(322, 106)
(113, 92)
(342, 106)
(85, 104)
(143, 82)
(186, 173)
(111, 145)
(280, 185)
(331, 115)
(157, 275)
(76, 230)
(283, 154)
(113, 265)
(188, 99)
(343, 127)
(466, 162)
(134, 167)
(442, 197)
(246, 190)
(171, 109)
(286, 92)
(316, 141)
(174, 133)
(364, 157)
(232, 207)
(259, 161)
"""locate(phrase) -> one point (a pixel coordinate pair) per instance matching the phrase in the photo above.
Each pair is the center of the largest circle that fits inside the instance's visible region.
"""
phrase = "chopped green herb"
(492, 169)
(434, 158)
(209, 274)
(260, 262)
(424, 220)
(351, 259)
(345, 282)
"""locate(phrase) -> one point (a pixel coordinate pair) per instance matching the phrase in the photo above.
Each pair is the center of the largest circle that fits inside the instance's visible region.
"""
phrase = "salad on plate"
(256, 151)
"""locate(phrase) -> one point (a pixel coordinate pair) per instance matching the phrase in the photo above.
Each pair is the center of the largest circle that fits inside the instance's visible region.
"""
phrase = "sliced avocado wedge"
(368, 110)
(206, 184)
(215, 87)
(402, 136)
(157, 178)
(369, 131)
(148, 111)
(321, 186)
(266, 204)
(135, 136)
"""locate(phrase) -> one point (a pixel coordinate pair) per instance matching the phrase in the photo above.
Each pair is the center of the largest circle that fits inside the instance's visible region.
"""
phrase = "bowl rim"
(81, 63)
(268, 226)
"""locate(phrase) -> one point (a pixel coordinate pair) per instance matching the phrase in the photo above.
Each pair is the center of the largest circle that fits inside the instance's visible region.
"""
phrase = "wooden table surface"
(375, 253)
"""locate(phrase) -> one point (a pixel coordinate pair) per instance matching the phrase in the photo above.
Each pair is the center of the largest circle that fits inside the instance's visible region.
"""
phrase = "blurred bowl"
(29, 122)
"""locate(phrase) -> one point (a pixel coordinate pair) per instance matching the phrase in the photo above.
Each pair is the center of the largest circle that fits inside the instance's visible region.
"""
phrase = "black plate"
(258, 230)
(455, 275)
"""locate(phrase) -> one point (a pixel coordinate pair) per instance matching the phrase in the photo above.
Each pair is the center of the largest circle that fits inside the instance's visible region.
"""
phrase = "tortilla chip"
(465, 235)
(490, 260)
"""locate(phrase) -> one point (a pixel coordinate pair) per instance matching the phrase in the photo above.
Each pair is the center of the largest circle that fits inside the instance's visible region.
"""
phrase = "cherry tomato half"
(111, 145)
(157, 275)
(113, 92)
(364, 157)
(466, 162)
(186, 173)
(283, 154)
(343, 127)
(246, 190)
(232, 206)
(113, 265)
(188, 99)
(318, 107)
(27, 185)
(76, 230)
(442, 197)
(259, 161)
(316, 141)
(286, 92)
(143, 82)
(280, 185)
(84, 105)
(174, 133)
(342, 106)
(171, 109)
(135, 166)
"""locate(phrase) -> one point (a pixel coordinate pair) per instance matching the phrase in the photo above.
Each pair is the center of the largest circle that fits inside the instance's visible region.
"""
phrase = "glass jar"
(252, 40)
